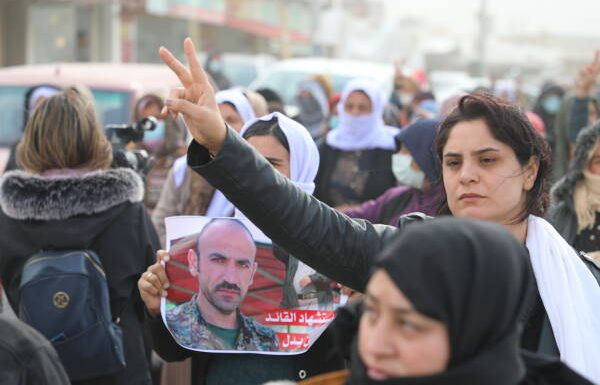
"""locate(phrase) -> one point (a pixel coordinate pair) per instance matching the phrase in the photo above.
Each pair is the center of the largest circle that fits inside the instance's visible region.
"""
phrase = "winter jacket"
(336, 246)
(562, 212)
(100, 210)
(26, 357)
(380, 176)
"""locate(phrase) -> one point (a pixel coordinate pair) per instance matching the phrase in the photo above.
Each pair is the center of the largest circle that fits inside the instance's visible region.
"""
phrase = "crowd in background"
(378, 158)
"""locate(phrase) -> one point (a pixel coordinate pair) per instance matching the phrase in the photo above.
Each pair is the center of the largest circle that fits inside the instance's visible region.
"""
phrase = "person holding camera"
(68, 198)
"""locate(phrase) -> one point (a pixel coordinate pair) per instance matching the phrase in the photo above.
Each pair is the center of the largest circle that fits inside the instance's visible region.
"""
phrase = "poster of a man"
(224, 264)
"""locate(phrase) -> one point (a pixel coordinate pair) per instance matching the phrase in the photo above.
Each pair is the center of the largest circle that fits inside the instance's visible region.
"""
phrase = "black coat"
(562, 212)
(26, 357)
(336, 246)
(379, 180)
(101, 211)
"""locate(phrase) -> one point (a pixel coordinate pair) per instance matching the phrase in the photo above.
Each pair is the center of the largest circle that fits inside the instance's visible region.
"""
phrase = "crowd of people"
(503, 288)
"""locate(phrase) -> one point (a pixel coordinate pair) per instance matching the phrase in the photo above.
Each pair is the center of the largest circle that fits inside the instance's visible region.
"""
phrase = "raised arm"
(330, 242)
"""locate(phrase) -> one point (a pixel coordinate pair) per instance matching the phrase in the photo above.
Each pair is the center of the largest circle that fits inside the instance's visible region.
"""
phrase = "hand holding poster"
(232, 291)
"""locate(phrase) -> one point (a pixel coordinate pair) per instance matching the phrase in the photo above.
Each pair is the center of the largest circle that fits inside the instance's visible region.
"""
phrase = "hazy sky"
(573, 17)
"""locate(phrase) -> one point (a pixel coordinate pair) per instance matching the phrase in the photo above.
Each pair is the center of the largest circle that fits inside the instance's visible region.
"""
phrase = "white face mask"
(357, 126)
(405, 98)
(404, 173)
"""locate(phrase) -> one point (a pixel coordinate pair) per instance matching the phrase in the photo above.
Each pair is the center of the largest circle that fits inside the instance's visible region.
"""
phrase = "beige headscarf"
(587, 197)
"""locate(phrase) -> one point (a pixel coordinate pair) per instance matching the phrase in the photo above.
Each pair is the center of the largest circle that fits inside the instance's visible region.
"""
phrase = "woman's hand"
(153, 283)
(195, 100)
(584, 86)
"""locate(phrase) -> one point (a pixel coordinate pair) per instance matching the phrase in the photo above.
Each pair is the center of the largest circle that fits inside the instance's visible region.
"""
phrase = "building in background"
(43, 31)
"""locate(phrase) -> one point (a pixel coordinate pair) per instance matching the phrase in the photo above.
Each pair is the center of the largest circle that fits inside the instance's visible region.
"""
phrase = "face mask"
(357, 125)
(404, 173)
(405, 98)
(214, 66)
(551, 104)
(333, 122)
(155, 138)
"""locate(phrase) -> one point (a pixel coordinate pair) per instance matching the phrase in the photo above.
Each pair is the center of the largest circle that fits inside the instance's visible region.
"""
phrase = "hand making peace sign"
(586, 82)
(195, 101)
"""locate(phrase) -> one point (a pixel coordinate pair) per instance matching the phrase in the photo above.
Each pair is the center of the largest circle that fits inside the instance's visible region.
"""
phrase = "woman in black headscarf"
(442, 307)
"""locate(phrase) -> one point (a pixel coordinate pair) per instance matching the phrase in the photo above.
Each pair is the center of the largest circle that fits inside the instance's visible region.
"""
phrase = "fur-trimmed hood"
(25, 196)
(586, 140)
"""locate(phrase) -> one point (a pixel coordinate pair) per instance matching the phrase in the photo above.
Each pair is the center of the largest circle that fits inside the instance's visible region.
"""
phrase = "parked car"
(115, 88)
(285, 76)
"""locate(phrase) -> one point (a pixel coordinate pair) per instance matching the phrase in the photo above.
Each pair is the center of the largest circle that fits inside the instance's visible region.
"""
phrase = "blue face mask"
(333, 122)
(404, 173)
(551, 104)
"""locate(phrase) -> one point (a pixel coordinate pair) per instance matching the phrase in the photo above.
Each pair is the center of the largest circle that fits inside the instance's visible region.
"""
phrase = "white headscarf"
(304, 155)
(314, 88)
(363, 132)
(571, 297)
(219, 205)
(239, 101)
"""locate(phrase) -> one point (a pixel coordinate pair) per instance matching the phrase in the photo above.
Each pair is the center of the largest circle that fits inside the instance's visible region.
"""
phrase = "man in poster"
(224, 264)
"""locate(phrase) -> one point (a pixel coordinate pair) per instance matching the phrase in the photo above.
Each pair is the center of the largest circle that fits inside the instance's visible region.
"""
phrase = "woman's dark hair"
(510, 126)
(267, 128)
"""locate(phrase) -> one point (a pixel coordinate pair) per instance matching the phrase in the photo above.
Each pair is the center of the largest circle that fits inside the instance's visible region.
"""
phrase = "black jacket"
(379, 180)
(100, 210)
(26, 357)
(336, 246)
(562, 213)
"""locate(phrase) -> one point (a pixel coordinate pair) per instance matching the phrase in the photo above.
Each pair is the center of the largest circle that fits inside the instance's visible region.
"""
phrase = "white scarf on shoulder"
(571, 296)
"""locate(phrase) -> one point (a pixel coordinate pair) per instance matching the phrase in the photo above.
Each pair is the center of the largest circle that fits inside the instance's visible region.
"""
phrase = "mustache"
(228, 286)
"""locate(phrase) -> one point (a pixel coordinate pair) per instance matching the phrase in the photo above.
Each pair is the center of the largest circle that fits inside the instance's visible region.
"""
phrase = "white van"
(284, 76)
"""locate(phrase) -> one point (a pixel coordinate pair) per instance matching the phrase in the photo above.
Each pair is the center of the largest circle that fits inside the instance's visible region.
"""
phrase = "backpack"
(64, 295)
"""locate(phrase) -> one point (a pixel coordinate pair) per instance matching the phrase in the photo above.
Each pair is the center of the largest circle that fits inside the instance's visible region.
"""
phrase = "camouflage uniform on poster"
(191, 330)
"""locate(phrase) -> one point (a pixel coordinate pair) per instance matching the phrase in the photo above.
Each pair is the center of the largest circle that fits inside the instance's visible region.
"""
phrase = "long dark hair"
(510, 126)
(267, 128)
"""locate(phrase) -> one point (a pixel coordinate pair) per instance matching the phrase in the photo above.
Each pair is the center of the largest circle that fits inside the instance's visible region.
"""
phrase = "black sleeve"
(323, 238)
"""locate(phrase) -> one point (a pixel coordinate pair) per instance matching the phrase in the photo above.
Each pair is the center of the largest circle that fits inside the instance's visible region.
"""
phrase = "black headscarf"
(472, 276)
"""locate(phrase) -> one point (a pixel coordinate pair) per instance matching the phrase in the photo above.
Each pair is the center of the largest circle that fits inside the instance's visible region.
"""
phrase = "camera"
(122, 134)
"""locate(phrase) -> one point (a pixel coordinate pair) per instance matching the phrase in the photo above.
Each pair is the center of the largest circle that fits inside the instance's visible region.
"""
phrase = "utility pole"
(316, 28)
(284, 49)
(484, 21)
